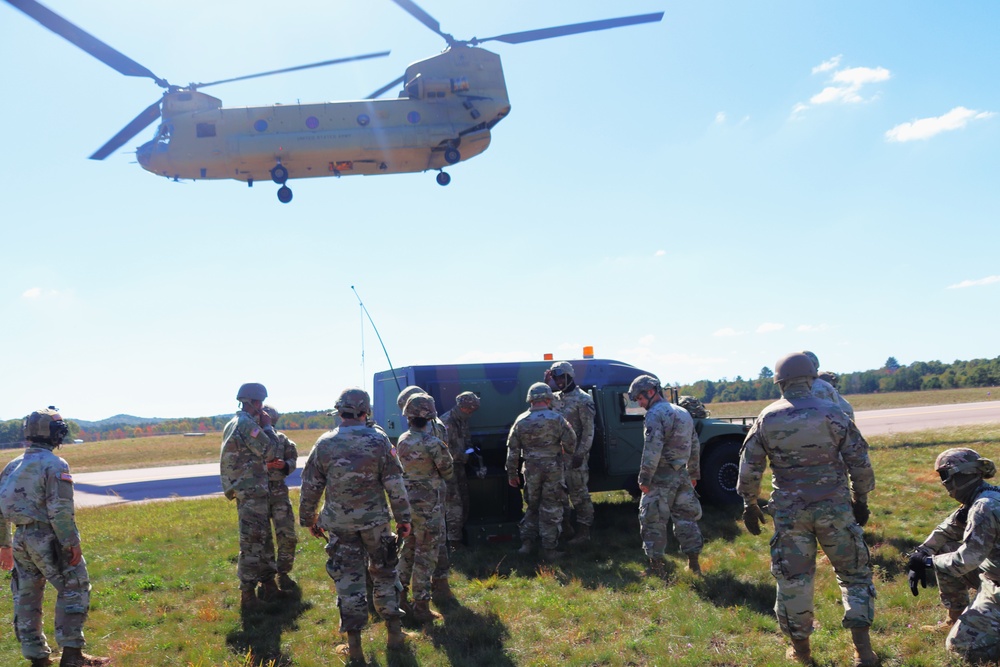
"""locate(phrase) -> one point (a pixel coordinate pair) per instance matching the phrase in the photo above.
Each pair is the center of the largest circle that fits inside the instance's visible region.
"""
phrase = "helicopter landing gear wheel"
(279, 174)
(284, 194)
(451, 155)
(443, 178)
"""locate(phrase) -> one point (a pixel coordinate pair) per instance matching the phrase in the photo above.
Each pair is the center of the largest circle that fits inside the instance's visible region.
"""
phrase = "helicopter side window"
(205, 130)
(163, 137)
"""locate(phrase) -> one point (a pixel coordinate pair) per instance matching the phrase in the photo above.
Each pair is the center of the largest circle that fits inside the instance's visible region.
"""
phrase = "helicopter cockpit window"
(205, 130)
(163, 136)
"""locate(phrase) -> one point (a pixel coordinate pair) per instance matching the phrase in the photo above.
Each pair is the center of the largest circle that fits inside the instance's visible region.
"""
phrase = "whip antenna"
(375, 328)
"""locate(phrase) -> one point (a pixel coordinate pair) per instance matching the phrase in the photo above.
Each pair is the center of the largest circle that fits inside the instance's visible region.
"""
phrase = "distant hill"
(117, 420)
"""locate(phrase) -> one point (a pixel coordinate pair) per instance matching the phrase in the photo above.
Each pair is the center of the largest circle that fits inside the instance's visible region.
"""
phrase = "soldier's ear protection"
(57, 431)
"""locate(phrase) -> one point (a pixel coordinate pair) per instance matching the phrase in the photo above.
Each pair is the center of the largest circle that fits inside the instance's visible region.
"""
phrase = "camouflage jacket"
(694, 460)
(459, 434)
(823, 389)
(356, 469)
(979, 535)
(426, 462)
(37, 486)
(578, 408)
(287, 451)
(668, 430)
(246, 447)
(539, 433)
(813, 448)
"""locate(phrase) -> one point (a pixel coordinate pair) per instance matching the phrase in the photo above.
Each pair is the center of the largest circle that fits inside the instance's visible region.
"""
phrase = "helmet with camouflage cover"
(251, 391)
(353, 401)
(272, 413)
(561, 368)
(962, 470)
(45, 426)
(405, 395)
(641, 384)
(827, 376)
(794, 365)
(813, 358)
(695, 407)
(419, 406)
(468, 400)
(540, 392)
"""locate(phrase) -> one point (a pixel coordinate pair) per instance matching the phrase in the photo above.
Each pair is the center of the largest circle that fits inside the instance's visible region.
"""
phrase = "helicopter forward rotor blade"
(562, 31)
(384, 89)
(380, 54)
(416, 12)
(138, 124)
(85, 40)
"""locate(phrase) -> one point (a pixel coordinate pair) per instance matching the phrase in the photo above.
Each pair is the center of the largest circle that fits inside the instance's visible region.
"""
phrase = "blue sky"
(696, 197)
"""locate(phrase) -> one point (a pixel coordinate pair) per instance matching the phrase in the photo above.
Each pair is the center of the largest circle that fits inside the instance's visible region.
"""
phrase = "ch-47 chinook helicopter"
(444, 114)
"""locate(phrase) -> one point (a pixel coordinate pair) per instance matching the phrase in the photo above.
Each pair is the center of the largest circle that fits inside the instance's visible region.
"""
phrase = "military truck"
(618, 430)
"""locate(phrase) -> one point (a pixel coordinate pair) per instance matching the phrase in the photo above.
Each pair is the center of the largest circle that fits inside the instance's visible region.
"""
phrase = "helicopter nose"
(143, 153)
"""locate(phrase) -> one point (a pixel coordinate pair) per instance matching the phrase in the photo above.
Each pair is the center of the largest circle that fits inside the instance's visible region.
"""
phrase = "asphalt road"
(192, 481)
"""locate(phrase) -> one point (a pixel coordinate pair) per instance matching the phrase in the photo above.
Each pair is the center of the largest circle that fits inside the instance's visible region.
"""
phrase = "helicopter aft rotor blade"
(84, 40)
(416, 12)
(138, 124)
(380, 54)
(384, 89)
(573, 29)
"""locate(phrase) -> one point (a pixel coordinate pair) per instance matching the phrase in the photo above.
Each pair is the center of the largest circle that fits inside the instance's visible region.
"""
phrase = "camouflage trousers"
(421, 551)
(976, 635)
(256, 562)
(38, 558)
(545, 495)
(457, 503)
(347, 553)
(670, 498)
(283, 518)
(793, 565)
(954, 591)
(579, 495)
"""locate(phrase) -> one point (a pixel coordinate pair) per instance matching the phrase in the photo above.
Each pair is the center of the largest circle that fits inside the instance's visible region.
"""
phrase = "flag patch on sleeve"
(253, 433)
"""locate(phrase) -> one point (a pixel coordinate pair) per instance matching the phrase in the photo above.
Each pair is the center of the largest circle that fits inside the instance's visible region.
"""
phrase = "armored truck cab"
(618, 430)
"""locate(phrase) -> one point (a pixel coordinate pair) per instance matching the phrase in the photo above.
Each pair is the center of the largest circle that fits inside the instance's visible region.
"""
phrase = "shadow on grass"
(723, 589)
(470, 638)
(260, 630)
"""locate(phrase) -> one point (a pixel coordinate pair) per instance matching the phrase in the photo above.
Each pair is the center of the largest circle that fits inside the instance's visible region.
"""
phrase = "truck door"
(620, 423)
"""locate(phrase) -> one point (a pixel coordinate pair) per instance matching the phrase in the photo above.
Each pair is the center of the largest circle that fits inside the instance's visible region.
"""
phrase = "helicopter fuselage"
(449, 101)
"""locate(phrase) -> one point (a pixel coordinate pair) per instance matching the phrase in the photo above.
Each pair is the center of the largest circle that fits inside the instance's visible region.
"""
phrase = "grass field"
(165, 590)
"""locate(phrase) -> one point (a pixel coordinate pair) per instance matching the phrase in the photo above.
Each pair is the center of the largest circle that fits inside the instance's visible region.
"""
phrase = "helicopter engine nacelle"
(185, 101)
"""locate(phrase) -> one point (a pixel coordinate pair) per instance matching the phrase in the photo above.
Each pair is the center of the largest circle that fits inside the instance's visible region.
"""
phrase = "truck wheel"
(720, 467)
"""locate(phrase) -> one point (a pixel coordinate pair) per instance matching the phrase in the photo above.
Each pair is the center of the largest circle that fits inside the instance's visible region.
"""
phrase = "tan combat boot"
(441, 591)
(527, 546)
(800, 652)
(694, 567)
(41, 662)
(404, 601)
(74, 657)
(582, 535)
(352, 649)
(396, 638)
(944, 627)
(864, 656)
(422, 612)
(656, 567)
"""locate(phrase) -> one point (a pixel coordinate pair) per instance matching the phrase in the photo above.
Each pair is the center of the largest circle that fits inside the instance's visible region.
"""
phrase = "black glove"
(861, 513)
(917, 571)
(753, 517)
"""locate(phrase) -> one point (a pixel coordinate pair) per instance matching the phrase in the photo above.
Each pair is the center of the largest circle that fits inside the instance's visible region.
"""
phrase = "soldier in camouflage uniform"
(248, 444)
(821, 388)
(427, 466)
(459, 442)
(813, 448)
(541, 437)
(353, 466)
(664, 479)
(577, 407)
(964, 553)
(286, 457)
(36, 495)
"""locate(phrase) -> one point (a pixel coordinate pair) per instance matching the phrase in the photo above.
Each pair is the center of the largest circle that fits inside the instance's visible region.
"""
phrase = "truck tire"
(720, 467)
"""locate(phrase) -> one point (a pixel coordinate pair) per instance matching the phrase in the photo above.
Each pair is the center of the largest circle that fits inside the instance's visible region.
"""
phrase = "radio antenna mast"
(365, 311)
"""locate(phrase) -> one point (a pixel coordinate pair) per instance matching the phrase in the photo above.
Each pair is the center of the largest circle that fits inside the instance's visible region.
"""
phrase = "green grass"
(900, 399)
(165, 590)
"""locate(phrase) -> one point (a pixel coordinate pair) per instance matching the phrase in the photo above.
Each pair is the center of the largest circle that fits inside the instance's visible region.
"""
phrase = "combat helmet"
(540, 392)
(813, 358)
(353, 402)
(962, 470)
(794, 365)
(405, 395)
(467, 399)
(561, 368)
(251, 391)
(45, 426)
(695, 407)
(272, 413)
(641, 384)
(419, 406)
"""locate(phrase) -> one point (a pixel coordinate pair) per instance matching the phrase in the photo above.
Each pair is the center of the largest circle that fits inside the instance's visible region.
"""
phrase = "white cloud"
(925, 128)
(647, 340)
(39, 293)
(659, 253)
(720, 118)
(727, 331)
(988, 280)
(768, 327)
(811, 328)
(845, 84)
